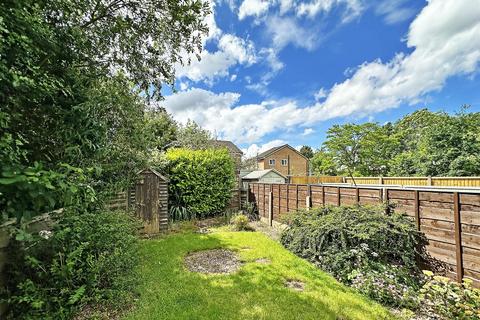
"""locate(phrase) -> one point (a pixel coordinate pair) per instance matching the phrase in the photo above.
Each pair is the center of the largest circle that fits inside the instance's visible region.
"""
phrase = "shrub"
(360, 246)
(200, 180)
(449, 299)
(86, 258)
(240, 222)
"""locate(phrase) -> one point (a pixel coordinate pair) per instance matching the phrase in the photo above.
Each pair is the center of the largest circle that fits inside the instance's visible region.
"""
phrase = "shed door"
(147, 199)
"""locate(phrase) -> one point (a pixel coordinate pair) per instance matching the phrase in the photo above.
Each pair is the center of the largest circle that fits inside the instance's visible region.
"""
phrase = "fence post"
(308, 202)
(296, 197)
(323, 196)
(357, 195)
(458, 236)
(429, 181)
(270, 208)
(380, 180)
(248, 193)
(417, 209)
(288, 204)
(338, 196)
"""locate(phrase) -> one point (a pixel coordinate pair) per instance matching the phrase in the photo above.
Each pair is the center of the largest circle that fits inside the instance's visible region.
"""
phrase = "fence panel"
(450, 220)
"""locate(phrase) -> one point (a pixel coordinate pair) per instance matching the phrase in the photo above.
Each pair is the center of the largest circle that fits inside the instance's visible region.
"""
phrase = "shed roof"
(260, 173)
(155, 172)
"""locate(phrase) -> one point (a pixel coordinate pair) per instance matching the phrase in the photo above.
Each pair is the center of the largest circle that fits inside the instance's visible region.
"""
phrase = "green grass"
(256, 291)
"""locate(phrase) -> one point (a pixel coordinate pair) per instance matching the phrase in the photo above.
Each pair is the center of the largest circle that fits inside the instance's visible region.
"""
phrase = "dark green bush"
(200, 181)
(86, 259)
(360, 246)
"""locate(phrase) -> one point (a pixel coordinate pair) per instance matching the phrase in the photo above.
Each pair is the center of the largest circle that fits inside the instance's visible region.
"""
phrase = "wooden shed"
(151, 201)
(263, 176)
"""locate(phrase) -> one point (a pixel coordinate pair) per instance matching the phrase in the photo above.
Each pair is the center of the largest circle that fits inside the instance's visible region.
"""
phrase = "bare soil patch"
(216, 261)
(263, 261)
(295, 285)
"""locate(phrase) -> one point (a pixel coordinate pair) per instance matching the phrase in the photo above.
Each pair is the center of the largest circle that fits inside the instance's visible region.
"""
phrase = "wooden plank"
(471, 259)
(442, 235)
(436, 196)
(400, 194)
(472, 199)
(434, 213)
(372, 193)
(458, 236)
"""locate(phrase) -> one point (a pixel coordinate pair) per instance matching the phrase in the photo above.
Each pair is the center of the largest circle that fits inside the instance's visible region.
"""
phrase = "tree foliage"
(306, 151)
(423, 143)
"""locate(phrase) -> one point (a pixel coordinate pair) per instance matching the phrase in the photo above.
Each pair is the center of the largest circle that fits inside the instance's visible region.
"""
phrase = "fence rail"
(450, 220)
(403, 181)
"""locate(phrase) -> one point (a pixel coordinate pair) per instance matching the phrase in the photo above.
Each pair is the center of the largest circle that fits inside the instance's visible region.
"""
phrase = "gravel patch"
(295, 285)
(216, 261)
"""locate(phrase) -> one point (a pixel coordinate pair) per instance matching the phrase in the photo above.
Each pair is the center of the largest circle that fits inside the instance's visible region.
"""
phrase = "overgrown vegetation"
(84, 259)
(423, 143)
(360, 246)
(200, 181)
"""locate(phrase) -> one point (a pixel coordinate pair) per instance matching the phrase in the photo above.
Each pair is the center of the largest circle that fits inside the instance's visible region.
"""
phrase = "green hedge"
(201, 181)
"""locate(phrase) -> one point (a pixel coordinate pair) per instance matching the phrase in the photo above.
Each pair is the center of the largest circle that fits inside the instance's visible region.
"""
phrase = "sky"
(284, 71)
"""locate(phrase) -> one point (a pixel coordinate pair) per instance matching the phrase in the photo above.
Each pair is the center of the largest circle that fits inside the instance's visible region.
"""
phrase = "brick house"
(284, 159)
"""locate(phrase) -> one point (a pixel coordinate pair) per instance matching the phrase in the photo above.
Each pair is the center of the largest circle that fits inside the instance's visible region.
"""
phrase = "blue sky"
(284, 71)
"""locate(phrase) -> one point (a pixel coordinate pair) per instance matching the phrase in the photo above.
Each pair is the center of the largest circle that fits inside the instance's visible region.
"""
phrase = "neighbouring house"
(263, 176)
(284, 159)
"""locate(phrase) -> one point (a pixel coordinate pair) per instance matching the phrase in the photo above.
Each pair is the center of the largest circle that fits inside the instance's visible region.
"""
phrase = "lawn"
(257, 291)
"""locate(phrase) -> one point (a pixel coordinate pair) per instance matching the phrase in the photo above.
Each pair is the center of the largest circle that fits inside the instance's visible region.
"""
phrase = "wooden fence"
(450, 220)
(403, 181)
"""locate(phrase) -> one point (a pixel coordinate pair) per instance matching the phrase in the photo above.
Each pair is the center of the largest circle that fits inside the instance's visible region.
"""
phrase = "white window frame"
(271, 162)
(284, 162)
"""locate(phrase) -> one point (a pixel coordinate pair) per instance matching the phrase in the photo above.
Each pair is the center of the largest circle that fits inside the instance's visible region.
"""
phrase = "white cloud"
(241, 50)
(394, 11)
(442, 46)
(232, 51)
(253, 8)
(233, 77)
(253, 150)
(307, 131)
(284, 31)
(353, 8)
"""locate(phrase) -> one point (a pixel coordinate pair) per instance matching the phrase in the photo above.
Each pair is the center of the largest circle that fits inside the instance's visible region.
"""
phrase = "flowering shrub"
(390, 285)
(361, 246)
(449, 299)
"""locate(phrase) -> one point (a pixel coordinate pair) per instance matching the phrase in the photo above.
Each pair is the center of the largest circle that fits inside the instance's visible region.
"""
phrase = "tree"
(323, 164)
(192, 136)
(363, 149)
(162, 129)
(306, 151)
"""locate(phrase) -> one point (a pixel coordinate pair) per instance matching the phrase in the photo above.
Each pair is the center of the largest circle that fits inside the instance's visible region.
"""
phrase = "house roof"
(226, 144)
(265, 154)
(260, 173)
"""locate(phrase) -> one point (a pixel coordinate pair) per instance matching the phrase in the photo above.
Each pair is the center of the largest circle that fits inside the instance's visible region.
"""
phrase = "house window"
(284, 162)
(271, 162)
